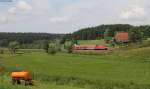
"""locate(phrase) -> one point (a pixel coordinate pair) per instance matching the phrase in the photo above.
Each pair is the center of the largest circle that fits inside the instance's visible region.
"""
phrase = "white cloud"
(133, 12)
(72, 9)
(3, 19)
(81, 6)
(21, 6)
(58, 19)
(12, 13)
(12, 10)
(72, 14)
(40, 7)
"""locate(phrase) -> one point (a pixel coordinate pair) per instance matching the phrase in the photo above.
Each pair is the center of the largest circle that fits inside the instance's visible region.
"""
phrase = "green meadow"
(121, 69)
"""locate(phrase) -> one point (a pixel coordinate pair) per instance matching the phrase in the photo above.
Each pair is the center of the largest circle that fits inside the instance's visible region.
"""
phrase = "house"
(121, 37)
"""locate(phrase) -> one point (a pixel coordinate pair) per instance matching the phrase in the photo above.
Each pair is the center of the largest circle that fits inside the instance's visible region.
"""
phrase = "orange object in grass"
(23, 75)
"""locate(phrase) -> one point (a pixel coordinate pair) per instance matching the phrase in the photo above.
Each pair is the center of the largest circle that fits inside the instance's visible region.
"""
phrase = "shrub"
(145, 44)
(68, 47)
(52, 49)
(1, 51)
(136, 35)
(46, 46)
(13, 46)
(57, 44)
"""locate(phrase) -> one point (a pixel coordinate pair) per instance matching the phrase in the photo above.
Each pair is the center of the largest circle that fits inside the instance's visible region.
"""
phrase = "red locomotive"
(90, 47)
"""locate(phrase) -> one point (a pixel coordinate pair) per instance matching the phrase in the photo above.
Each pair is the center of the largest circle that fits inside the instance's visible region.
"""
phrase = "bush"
(13, 46)
(57, 44)
(46, 46)
(145, 44)
(68, 47)
(1, 51)
(136, 35)
(52, 49)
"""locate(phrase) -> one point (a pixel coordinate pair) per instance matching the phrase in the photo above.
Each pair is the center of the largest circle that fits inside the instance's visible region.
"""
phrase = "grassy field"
(122, 69)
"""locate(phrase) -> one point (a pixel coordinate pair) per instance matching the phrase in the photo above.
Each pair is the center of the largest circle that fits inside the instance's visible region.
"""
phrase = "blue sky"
(65, 16)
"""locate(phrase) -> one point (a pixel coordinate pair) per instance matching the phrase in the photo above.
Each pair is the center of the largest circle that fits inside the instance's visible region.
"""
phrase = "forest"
(97, 32)
(35, 40)
(26, 38)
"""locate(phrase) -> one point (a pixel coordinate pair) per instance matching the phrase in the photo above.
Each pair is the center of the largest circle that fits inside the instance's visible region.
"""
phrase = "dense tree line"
(97, 32)
(37, 40)
(26, 38)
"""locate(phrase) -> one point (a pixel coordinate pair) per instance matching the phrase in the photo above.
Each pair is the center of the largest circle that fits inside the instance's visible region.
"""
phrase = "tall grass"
(86, 84)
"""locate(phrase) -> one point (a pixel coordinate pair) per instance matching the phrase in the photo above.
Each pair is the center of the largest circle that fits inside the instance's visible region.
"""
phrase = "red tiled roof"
(122, 37)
